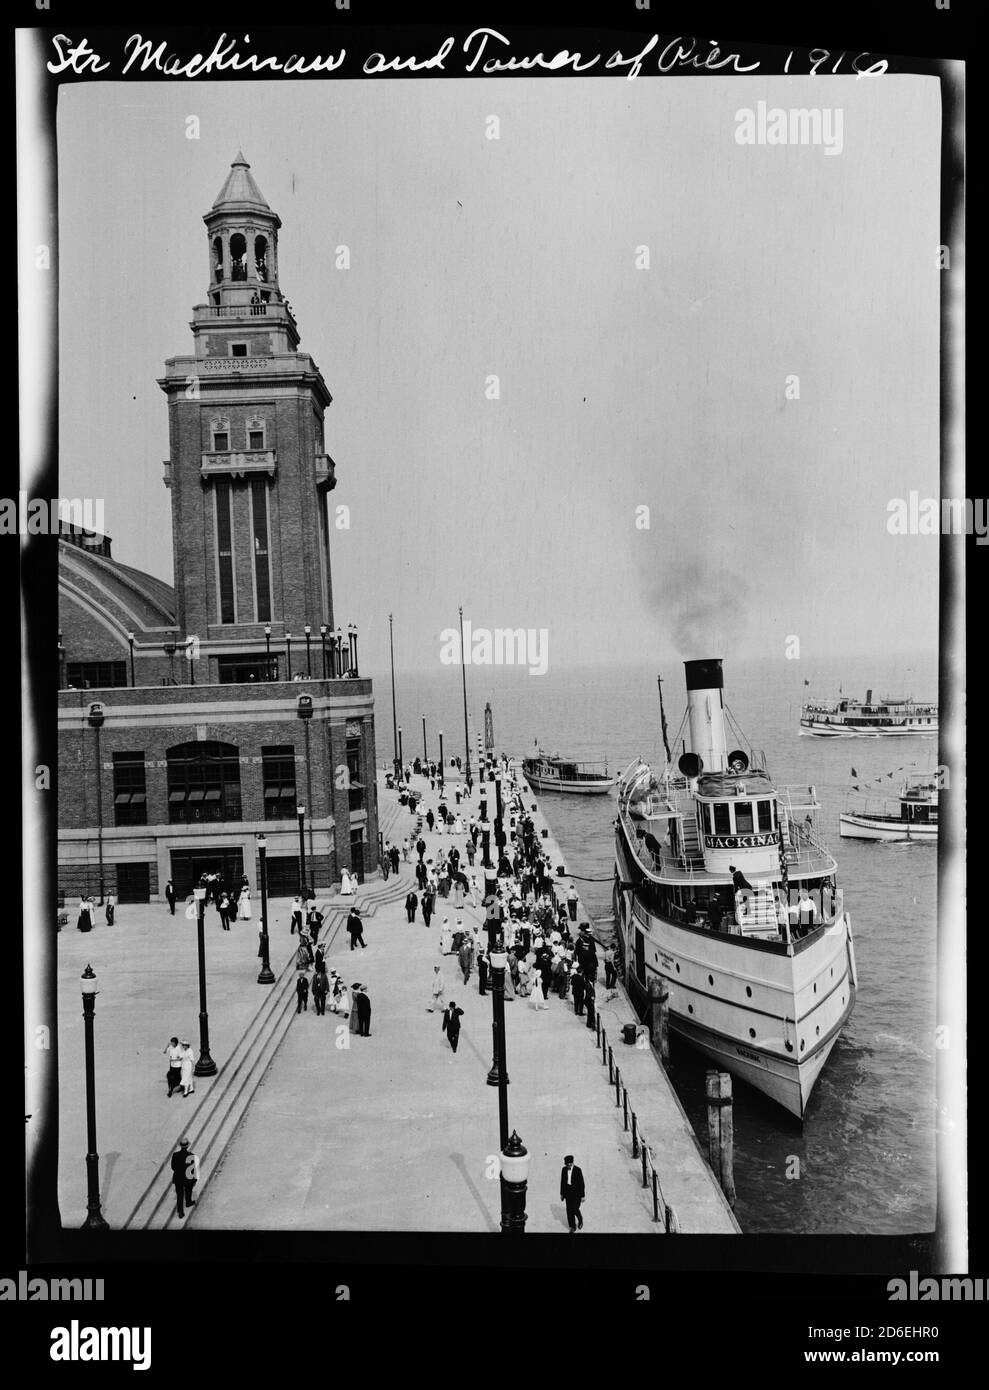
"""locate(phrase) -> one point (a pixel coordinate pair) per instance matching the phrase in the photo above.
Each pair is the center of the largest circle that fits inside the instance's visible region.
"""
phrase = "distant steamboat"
(913, 817)
(556, 774)
(759, 962)
(850, 718)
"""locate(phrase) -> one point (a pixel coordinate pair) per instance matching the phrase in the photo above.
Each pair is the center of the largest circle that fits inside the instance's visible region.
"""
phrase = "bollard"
(603, 1041)
(597, 1025)
(611, 1068)
(645, 1165)
(618, 1086)
(672, 1225)
(655, 1196)
(625, 1108)
(635, 1138)
(720, 1131)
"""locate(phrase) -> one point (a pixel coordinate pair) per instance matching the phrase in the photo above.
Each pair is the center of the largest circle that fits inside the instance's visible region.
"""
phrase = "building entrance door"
(357, 854)
(188, 866)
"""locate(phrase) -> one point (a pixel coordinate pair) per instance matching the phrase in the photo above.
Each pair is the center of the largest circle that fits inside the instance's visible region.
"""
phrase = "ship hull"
(818, 729)
(769, 1017)
(553, 784)
(853, 827)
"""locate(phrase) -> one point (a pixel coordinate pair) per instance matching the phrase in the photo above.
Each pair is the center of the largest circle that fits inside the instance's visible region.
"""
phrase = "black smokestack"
(704, 675)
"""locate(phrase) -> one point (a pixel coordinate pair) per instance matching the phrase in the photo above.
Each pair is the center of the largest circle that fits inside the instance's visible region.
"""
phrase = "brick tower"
(248, 470)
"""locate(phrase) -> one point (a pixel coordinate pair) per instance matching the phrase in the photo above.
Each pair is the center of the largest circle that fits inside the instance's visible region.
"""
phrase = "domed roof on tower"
(240, 190)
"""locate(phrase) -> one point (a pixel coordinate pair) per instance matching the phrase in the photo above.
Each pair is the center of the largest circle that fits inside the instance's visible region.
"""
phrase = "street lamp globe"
(515, 1160)
(89, 981)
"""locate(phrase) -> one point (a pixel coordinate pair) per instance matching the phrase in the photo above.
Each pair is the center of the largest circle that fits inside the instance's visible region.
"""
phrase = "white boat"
(912, 817)
(847, 717)
(556, 774)
(725, 892)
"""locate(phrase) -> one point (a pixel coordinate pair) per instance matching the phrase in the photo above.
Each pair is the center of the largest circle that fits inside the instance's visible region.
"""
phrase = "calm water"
(866, 1148)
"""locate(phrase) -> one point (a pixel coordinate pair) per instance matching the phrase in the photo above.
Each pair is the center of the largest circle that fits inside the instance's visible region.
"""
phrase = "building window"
(262, 560)
(238, 257)
(95, 675)
(203, 782)
(224, 550)
(278, 776)
(238, 349)
(130, 798)
(221, 442)
(247, 670)
(255, 439)
(354, 773)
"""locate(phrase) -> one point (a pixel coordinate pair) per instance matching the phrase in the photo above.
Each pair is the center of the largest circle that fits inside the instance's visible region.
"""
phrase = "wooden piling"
(618, 1086)
(655, 1195)
(625, 1107)
(635, 1137)
(720, 1131)
(611, 1067)
(645, 1167)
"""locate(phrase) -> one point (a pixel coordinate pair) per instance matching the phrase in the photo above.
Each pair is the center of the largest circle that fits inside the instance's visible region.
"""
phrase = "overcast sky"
(620, 387)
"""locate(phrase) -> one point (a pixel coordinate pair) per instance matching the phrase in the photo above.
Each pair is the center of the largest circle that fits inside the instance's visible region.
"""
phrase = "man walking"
(610, 973)
(577, 987)
(451, 1024)
(420, 848)
(185, 1175)
(356, 928)
(482, 973)
(223, 908)
(411, 903)
(302, 994)
(170, 896)
(572, 1193)
(428, 899)
(466, 956)
(296, 914)
(589, 1000)
(393, 856)
(572, 902)
(319, 988)
(438, 987)
(314, 923)
(363, 1005)
(111, 903)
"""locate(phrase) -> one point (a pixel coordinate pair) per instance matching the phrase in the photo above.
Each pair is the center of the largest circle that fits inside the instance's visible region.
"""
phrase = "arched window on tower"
(218, 258)
(238, 257)
(203, 782)
(261, 257)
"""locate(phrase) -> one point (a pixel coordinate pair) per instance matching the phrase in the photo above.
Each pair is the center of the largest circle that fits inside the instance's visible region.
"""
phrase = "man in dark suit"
(363, 1006)
(451, 1023)
(185, 1175)
(577, 987)
(572, 1193)
(411, 903)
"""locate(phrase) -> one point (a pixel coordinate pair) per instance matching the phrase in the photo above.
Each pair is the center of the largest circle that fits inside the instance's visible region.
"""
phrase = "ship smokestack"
(705, 711)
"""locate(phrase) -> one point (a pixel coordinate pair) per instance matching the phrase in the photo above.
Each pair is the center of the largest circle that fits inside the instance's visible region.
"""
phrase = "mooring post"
(635, 1138)
(597, 1025)
(618, 1086)
(720, 1131)
(625, 1107)
(611, 1067)
(645, 1167)
(655, 1196)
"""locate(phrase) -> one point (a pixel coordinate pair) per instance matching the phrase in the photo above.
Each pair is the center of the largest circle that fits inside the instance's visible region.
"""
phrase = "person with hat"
(446, 938)
(428, 901)
(362, 1005)
(355, 1017)
(319, 991)
(411, 903)
(577, 989)
(451, 1024)
(302, 993)
(188, 1080)
(170, 897)
(356, 928)
(438, 988)
(572, 901)
(572, 1193)
(185, 1175)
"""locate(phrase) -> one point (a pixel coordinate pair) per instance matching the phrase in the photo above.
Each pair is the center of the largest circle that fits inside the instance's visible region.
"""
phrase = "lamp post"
(322, 638)
(94, 1217)
(61, 662)
(352, 633)
(308, 631)
(401, 755)
(463, 675)
(300, 811)
(191, 645)
(288, 654)
(96, 718)
(514, 1184)
(267, 650)
(130, 643)
(266, 976)
(305, 711)
(498, 1075)
(425, 754)
(205, 1066)
(499, 821)
(339, 652)
(394, 716)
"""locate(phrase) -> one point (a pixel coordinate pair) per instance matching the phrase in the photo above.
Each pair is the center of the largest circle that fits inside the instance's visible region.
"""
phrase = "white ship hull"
(854, 827)
(556, 784)
(819, 729)
(767, 1017)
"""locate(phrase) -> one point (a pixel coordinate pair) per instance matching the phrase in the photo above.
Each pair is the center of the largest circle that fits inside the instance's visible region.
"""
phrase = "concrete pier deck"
(307, 1126)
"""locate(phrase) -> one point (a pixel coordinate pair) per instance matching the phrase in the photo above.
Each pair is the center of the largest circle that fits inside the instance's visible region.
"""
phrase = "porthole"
(802, 1044)
(751, 1032)
(832, 972)
(817, 1030)
(815, 988)
(690, 1008)
(678, 967)
(748, 991)
(710, 979)
(789, 1047)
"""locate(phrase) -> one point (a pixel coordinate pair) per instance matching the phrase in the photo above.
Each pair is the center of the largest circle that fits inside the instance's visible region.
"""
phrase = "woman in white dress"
(244, 906)
(537, 999)
(458, 826)
(346, 884)
(188, 1081)
(446, 938)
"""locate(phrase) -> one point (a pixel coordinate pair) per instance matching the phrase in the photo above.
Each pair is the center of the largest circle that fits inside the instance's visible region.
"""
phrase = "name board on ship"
(739, 841)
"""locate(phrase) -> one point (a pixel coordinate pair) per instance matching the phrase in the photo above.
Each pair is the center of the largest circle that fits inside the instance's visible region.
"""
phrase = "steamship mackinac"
(725, 892)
